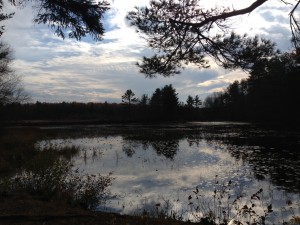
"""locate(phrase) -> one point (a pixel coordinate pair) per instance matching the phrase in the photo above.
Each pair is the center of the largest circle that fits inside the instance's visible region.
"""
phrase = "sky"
(56, 70)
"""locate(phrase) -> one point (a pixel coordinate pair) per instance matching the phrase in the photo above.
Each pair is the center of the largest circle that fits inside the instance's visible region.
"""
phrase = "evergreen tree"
(165, 100)
(190, 102)
(197, 101)
(128, 97)
(71, 18)
(181, 33)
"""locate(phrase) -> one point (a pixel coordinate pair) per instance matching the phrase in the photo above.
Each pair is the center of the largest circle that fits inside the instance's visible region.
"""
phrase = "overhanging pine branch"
(223, 16)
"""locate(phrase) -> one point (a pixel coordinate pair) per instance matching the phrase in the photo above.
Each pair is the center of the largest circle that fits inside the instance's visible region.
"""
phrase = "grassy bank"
(40, 187)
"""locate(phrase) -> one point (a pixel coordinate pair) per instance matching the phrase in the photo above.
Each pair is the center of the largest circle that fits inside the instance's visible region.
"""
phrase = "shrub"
(50, 178)
(89, 191)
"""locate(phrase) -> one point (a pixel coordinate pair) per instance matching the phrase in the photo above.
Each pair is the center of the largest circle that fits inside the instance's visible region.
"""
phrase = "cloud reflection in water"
(165, 169)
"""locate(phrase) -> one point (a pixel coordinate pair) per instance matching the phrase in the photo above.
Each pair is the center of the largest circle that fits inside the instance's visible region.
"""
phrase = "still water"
(187, 170)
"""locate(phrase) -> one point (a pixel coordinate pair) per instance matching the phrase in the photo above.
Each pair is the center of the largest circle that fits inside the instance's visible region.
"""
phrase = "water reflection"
(277, 157)
(158, 169)
(162, 148)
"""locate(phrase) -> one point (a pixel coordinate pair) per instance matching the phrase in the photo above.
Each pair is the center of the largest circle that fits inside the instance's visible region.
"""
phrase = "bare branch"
(295, 27)
(223, 16)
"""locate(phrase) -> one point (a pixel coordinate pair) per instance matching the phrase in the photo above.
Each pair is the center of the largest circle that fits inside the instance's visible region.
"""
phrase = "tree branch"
(295, 27)
(223, 16)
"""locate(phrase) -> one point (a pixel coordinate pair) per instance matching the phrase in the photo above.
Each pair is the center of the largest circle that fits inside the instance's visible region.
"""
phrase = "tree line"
(270, 94)
(162, 105)
(181, 33)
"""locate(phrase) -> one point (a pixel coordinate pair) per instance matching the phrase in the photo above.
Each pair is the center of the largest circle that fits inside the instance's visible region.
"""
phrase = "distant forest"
(163, 105)
(271, 94)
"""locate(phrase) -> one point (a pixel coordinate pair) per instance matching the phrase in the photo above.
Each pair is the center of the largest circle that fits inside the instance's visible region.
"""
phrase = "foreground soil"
(25, 210)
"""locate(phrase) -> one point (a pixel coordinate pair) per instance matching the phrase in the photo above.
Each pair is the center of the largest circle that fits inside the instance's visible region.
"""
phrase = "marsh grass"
(164, 209)
(227, 207)
(16, 149)
(47, 175)
(67, 152)
(51, 179)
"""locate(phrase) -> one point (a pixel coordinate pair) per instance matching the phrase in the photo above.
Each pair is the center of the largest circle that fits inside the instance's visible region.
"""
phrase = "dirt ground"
(24, 210)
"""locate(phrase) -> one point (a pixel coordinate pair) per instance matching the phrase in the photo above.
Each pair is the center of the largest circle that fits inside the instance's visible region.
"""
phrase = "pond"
(190, 170)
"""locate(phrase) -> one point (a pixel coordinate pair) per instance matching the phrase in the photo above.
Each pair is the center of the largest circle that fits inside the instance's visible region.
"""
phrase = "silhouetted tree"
(181, 31)
(165, 100)
(169, 98)
(234, 94)
(3, 16)
(197, 101)
(156, 99)
(216, 100)
(190, 102)
(69, 17)
(11, 90)
(144, 100)
(128, 97)
(270, 94)
(297, 55)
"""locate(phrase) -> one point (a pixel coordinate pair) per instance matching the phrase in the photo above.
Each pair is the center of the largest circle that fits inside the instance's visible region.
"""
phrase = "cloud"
(271, 17)
(68, 70)
(220, 82)
(281, 35)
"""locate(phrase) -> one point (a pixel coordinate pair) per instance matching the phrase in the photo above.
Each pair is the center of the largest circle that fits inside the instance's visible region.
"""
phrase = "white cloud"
(67, 70)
